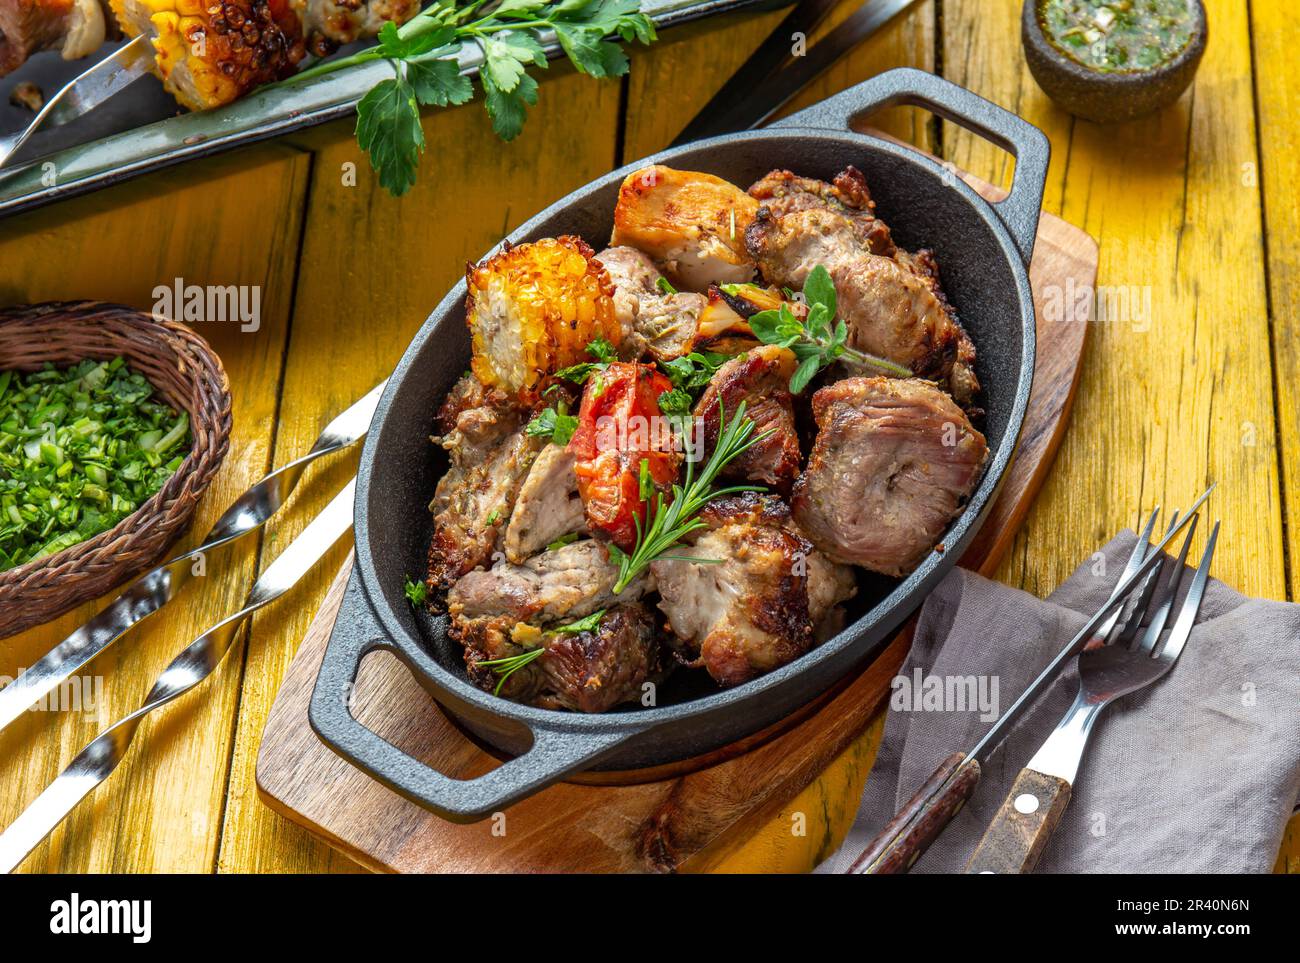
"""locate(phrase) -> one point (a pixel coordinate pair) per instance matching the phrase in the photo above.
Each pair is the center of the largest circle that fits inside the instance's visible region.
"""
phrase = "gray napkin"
(1198, 773)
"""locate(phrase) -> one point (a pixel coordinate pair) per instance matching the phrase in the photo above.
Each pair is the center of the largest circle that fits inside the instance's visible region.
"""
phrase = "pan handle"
(556, 751)
(1019, 210)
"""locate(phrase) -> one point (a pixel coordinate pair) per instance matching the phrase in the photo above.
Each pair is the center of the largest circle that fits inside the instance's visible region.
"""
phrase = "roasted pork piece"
(652, 318)
(532, 309)
(547, 507)
(587, 671)
(760, 379)
(73, 27)
(560, 584)
(491, 455)
(692, 225)
(890, 299)
(757, 607)
(893, 462)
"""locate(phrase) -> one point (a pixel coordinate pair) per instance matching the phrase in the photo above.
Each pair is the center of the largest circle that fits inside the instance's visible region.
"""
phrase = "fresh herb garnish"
(693, 372)
(819, 339)
(562, 541)
(737, 288)
(670, 522)
(80, 449)
(423, 54)
(588, 624)
(665, 286)
(509, 665)
(645, 484)
(416, 592)
(494, 517)
(554, 424)
(601, 350)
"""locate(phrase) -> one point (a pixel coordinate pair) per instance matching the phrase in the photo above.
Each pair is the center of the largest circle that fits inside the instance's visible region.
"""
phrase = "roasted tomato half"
(620, 427)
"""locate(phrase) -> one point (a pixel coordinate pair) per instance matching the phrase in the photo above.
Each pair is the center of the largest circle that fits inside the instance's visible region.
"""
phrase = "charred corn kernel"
(210, 52)
(533, 309)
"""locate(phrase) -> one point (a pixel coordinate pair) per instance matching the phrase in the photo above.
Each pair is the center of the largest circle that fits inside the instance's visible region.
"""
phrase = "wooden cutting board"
(674, 822)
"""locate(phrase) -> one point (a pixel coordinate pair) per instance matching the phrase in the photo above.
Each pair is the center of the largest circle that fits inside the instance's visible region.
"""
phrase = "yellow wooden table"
(1196, 210)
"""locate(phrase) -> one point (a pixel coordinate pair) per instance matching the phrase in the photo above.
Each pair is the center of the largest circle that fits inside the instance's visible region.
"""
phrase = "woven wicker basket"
(185, 372)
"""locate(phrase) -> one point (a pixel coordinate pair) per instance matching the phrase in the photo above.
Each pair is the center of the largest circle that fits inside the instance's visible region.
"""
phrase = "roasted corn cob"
(533, 309)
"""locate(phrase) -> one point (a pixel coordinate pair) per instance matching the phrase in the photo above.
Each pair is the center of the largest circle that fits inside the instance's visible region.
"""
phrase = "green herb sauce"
(1118, 35)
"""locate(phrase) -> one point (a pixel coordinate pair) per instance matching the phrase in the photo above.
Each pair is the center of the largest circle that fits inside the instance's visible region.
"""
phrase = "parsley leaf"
(438, 83)
(554, 425)
(417, 593)
(562, 541)
(588, 624)
(388, 129)
(601, 350)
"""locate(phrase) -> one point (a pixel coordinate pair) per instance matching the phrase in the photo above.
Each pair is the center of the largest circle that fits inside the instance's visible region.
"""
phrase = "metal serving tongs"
(913, 828)
(151, 591)
(87, 91)
(196, 662)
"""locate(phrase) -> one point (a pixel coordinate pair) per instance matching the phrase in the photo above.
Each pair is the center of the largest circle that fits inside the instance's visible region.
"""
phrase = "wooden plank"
(234, 220)
(372, 268)
(1274, 34)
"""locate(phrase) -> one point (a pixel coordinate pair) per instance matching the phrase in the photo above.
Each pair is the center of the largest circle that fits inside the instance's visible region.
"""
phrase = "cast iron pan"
(983, 250)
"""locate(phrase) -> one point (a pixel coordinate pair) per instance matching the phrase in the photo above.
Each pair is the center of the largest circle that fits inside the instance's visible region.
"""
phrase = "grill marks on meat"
(490, 457)
(591, 671)
(759, 378)
(548, 505)
(757, 608)
(559, 584)
(893, 462)
(889, 298)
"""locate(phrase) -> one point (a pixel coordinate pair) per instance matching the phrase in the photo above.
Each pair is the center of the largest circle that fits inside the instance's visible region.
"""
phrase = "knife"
(190, 668)
(151, 591)
(754, 93)
(906, 837)
(86, 91)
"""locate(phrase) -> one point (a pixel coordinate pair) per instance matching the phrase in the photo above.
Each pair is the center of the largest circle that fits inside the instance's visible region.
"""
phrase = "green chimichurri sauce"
(1117, 35)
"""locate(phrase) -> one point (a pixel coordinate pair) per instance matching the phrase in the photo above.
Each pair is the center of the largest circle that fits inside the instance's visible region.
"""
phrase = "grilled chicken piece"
(532, 310)
(692, 224)
(73, 27)
(784, 193)
(559, 584)
(651, 319)
(329, 24)
(589, 671)
(759, 378)
(890, 299)
(757, 609)
(893, 462)
(548, 506)
(490, 456)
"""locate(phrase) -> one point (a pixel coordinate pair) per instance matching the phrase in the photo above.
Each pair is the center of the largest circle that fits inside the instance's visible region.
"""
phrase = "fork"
(1125, 655)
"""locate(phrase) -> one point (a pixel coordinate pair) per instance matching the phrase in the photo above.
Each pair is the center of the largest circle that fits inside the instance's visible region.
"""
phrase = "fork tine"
(1135, 560)
(1137, 610)
(1192, 604)
(1161, 614)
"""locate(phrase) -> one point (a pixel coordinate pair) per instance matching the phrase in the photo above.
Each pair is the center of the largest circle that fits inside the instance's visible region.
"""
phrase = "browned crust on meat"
(782, 192)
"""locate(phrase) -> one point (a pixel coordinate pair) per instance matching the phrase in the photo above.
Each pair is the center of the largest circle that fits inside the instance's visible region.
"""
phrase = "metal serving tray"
(143, 130)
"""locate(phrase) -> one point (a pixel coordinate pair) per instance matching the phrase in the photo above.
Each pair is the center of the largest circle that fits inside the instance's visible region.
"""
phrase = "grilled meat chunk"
(784, 193)
(561, 583)
(759, 378)
(652, 319)
(329, 24)
(73, 27)
(893, 462)
(890, 299)
(490, 456)
(589, 671)
(548, 505)
(756, 608)
(532, 310)
(692, 224)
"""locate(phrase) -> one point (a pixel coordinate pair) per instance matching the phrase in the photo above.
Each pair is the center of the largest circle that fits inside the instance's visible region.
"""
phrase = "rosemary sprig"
(510, 664)
(672, 521)
(818, 340)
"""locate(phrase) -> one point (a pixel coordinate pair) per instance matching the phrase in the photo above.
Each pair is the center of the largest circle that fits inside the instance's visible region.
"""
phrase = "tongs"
(151, 591)
(83, 94)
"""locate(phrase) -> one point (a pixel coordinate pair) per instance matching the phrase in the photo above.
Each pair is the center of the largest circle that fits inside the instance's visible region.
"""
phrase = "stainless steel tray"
(143, 130)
